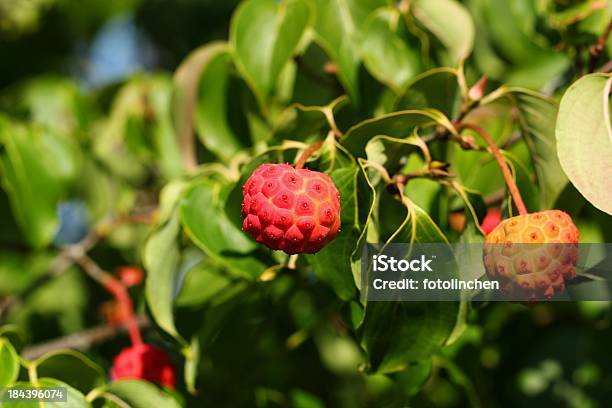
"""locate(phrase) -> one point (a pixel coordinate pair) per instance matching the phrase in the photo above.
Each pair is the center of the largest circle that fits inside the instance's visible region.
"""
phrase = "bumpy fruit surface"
(296, 211)
(145, 362)
(533, 256)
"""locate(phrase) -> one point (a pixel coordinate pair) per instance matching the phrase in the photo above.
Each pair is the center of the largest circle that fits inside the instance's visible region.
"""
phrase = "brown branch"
(597, 49)
(503, 166)
(82, 340)
(605, 68)
(299, 164)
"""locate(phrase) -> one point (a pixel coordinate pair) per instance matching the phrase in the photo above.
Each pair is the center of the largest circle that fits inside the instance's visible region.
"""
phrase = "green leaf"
(333, 263)
(19, 270)
(71, 367)
(385, 53)
(203, 98)
(204, 220)
(139, 130)
(161, 259)
(584, 138)
(204, 283)
(367, 214)
(338, 31)
(264, 35)
(37, 168)
(533, 63)
(536, 118)
(56, 103)
(158, 94)
(450, 21)
(397, 124)
(396, 334)
(9, 363)
(192, 361)
(74, 399)
(135, 394)
(437, 88)
(298, 122)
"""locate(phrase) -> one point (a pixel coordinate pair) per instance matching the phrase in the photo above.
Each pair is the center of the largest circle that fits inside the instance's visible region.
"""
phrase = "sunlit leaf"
(264, 35)
(584, 138)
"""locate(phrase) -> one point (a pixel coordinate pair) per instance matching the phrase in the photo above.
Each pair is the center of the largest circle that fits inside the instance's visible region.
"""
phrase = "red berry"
(293, 210)
(533, 255)
(145, 362)
(491, 220)
(130, 275)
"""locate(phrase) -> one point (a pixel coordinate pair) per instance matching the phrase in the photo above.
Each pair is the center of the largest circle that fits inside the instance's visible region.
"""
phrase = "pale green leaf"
(584, 138)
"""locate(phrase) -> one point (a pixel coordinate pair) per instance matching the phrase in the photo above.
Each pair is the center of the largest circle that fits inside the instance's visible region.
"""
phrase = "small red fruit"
(293, 210)
(130, 275)
(145, 362)
(491, 220)
(533, 255)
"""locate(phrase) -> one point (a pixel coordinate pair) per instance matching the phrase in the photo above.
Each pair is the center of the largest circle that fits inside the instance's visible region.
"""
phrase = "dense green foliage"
(384, 84)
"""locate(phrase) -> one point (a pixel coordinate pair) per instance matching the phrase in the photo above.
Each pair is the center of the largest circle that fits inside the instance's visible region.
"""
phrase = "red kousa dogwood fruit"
(534, 255)
(143, 361)
(293, 210)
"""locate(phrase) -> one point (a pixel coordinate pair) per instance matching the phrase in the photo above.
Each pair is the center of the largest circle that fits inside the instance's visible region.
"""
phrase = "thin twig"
(82, 340)
(606, 68)
(503, 165)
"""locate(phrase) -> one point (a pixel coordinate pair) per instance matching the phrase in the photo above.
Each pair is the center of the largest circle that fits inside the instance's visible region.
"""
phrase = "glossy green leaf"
(437, 88)
(332, 264)
(298, 122)
(204, 220)
(450, 21)
(397, 124)
(264, 35)
(74, 398)
(584, 138)
(385, 53)
(536, 119)
(204, 283)
(338, 30)
(71, 367)
(37, 168)
(161, 259)
(396, 334)
(203, 97)
(135, 394)
(9, 363)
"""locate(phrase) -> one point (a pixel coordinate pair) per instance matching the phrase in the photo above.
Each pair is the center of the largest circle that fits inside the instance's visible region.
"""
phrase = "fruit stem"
(503, 165)
(118, 290)
(313, 148)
